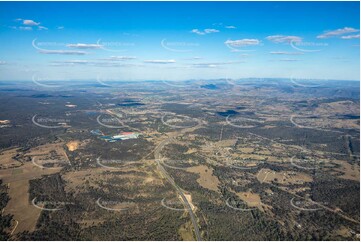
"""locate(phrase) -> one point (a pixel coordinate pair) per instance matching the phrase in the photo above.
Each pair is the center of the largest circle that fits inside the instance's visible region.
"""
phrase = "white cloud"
(213, 64)
(288, 60)
(283, 39)
(72, 62)
(3, 62)
(205, 65)
(230, 27)
(25, 28)
(62, 52)
(160, 61)
(197, 31)
(242, 42)
(57, 52)
(205, 31)
(92, 63)
(119, 58)
(356, 36)
(208, 31)
(285, 53)
(84, 46)
(217, 24)
(337, 32)
(42, 28)
(60, 27)
(30, 22)
(194, 58)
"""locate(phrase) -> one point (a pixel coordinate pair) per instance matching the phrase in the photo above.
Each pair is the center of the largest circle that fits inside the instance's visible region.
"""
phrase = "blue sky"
(179, 40)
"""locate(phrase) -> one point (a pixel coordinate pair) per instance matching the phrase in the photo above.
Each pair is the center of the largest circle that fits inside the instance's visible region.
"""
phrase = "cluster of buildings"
(114, 138)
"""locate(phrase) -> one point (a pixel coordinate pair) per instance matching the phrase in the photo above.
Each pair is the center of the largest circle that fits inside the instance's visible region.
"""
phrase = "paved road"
(172, 182)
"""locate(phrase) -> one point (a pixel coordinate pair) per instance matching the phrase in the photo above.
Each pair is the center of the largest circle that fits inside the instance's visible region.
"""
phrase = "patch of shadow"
(43, 95)
(228, 112)
(130, 104)
(210, 86)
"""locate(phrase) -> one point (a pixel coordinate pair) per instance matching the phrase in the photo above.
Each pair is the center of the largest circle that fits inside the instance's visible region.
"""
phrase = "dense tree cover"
(5, 220)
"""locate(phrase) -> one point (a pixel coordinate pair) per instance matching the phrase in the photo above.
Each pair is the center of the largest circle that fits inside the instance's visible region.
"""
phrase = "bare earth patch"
(283, 177)
(21, 208)
(72, 145)
(7, 161)
(206, 178)
(19, 205)
(251, 199)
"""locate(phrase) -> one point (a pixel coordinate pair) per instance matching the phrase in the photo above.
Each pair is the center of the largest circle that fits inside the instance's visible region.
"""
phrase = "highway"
(172, 182)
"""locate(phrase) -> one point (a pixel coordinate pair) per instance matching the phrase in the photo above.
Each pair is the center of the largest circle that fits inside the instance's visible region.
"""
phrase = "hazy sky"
(179, 40)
